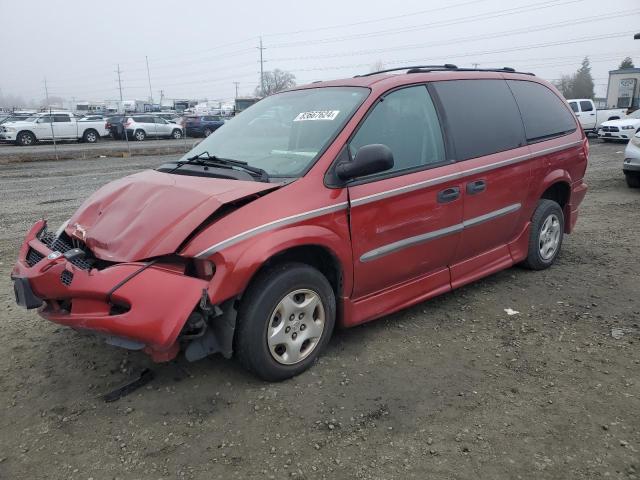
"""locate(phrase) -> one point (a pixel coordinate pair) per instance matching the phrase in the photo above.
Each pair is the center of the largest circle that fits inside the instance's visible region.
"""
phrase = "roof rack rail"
(445, 67)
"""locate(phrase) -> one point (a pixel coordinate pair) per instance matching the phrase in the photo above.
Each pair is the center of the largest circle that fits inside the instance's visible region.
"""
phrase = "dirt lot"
(453, 388)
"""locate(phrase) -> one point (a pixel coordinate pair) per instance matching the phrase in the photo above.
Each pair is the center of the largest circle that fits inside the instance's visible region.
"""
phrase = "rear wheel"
(546, 234)
(25, 139)
(177, 133)
(139, 135)
(285, 319)
(90, 136)
(633, 181)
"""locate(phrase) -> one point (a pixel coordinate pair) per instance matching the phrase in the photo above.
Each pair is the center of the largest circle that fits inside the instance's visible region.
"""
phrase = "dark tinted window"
(407, 123)
(574, 106)
(482, 117)
(586, 106)
(543, 113)
(61, 118)
(211, 119)
(142, 119)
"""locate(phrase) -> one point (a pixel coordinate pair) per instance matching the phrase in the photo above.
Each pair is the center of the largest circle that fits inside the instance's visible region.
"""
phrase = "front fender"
(236, 265)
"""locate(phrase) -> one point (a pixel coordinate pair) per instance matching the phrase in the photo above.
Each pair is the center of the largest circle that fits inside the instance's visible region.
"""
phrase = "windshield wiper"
(213, 161)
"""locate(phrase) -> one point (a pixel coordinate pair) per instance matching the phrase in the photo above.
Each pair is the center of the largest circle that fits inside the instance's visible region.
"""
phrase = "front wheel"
(285, 319)
(25, 139)
(207, 132)
(633, 181)
(176, 134)
(545, 237)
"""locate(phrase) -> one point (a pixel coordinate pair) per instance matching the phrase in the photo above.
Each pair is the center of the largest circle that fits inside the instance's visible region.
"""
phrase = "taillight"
(585, 147)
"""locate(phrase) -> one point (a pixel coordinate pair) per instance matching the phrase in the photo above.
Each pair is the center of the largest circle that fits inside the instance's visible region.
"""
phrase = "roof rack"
(445, 67)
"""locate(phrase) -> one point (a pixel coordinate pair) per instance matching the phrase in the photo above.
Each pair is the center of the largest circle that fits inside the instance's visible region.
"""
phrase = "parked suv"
(330, 204)
(202, 125)
(139, 127)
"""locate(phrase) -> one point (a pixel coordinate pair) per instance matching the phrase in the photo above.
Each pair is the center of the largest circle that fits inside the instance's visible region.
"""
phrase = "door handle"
(592, 114)
(448, 195)
(476, 187)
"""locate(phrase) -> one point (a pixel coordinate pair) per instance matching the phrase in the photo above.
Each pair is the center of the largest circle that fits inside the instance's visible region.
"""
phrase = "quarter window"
(543, 113)
(482, 117)
(405, 121)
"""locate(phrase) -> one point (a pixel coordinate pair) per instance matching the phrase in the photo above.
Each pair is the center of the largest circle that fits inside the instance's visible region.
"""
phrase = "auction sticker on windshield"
(317, 115)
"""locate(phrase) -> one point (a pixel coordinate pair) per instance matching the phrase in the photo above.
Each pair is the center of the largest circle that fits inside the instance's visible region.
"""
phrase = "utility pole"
(119, 82)
(149, 77)
(46, 91)
(261, 48)
(236, 84)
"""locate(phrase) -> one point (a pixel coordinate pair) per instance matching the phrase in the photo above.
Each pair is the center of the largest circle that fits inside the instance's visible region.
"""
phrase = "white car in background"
(622, 129)
(139, 127)
(631, 165)
(52, 126)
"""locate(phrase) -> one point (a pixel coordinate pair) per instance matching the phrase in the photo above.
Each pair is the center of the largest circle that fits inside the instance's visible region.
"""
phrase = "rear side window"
(61, 118)
(543, 113)
(482, 117)
(586, 106)
(405, 121)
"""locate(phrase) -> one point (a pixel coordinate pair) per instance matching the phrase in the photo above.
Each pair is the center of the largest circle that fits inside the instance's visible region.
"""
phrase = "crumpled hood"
(150, 213)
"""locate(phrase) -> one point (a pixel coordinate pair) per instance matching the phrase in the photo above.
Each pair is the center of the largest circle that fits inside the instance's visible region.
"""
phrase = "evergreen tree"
(626, 63)
(583, 81)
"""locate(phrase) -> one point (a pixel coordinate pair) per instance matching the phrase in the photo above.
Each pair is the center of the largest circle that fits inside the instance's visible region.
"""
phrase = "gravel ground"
(453, 388)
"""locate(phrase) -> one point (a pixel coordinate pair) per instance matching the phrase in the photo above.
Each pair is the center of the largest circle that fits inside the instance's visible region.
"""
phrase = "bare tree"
(377, 66)
(276, 81)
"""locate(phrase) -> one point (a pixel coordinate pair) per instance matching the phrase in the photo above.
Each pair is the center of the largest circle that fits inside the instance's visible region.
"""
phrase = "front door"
(405, 223)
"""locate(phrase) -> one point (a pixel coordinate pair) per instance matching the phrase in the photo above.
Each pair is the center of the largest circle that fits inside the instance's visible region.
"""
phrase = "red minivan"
(332, 203)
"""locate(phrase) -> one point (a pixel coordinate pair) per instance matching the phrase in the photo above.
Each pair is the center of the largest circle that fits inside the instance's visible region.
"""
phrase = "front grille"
(33, 257)
(63, 244)
(610, 129)
(66, 277)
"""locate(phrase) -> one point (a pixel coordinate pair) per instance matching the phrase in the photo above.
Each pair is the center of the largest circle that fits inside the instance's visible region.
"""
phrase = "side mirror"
(374, 158)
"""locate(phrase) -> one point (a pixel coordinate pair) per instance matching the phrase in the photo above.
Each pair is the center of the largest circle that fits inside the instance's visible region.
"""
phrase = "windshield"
(635, 114)
(285, 133)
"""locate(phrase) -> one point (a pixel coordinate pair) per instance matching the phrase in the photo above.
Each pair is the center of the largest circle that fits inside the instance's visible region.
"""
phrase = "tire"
(547, 216)
(26, 139)
(90, 136)
(176, 134)
(272, 309)
(139, 135)
(633, 181)
(207, 132)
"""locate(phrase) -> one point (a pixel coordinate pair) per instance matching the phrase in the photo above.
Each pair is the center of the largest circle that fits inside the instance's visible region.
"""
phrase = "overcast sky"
(197, 49)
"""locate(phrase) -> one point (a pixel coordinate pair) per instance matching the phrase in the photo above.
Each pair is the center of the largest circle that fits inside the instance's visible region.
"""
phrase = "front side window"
(574, 107)
(544, 114)
(482, 116)
(284, 134)
(405, 120)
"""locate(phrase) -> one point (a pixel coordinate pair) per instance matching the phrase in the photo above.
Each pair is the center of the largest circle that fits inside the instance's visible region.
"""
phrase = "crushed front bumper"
(145, 304)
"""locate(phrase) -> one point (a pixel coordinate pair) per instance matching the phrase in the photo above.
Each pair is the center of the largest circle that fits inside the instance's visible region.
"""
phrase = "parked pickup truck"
(590, 118)
(47, 126)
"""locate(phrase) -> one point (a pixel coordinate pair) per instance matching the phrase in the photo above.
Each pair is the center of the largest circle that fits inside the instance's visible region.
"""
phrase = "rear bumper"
(150, 307)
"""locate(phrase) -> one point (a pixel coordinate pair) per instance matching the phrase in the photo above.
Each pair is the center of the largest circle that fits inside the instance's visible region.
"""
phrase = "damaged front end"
(153, 305)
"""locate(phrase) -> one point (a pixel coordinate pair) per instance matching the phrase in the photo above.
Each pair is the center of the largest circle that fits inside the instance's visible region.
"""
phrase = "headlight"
(9, 129)
(636, 141)
(627, 127)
